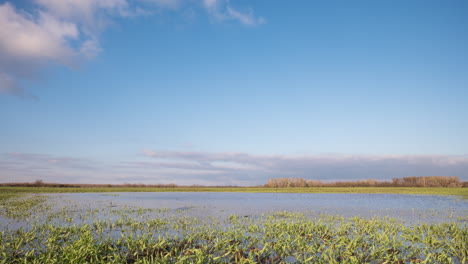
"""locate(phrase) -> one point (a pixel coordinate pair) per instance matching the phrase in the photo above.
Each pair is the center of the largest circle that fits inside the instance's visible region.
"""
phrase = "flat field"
(397, 190)
(37, 228)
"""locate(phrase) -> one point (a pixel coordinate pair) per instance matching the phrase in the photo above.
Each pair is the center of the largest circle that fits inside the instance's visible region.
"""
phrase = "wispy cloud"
(66, 32)
(22, 160)
(222, 10)
(28, 167)
(323, 167)
(271, 160)
(225, 168)
(173, 4)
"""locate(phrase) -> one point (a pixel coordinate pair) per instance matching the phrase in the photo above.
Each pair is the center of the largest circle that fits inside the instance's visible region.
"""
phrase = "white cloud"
(274, 160)
(23, 37)
(225, 168)
(58, 31)
(323, 167)
(90, 48)
(222, 10)
(27, 42)
(92, 16)
(245, 18)
(83, 9)
(67, 31)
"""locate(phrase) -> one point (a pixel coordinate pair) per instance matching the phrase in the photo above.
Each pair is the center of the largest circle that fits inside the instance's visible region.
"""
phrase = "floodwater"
(406, 208)
(172, 216)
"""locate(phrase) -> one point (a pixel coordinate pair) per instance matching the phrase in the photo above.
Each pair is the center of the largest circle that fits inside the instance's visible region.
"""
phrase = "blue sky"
(232, 92)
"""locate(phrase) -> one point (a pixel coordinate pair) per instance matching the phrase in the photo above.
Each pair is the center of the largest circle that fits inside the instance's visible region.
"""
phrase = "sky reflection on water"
(407, 208)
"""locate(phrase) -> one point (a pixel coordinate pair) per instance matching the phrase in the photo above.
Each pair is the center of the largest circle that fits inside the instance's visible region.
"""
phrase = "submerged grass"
(396, 190)
(42, 233)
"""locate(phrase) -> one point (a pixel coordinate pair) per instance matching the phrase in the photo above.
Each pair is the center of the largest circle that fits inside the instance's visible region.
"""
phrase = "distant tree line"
(434, 181)
(431, 181)
(41, 183)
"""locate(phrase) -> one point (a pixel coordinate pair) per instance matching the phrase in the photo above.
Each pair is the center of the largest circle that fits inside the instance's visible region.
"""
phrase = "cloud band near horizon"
(225, 168)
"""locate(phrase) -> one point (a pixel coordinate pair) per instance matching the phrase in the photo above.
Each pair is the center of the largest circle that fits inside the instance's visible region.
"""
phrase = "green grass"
(397, 190)
(79, 234)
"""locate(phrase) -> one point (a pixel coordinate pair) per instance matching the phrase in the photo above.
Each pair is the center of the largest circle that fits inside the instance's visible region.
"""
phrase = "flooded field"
(184, 227)
(407, 208)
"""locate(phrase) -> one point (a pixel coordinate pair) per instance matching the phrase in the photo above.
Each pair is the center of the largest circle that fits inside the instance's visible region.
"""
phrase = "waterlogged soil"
(405, 208)
(86, 208)
(233, 228)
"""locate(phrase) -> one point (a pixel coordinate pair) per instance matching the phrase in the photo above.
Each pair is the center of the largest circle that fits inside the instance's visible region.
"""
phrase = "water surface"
(405, 207)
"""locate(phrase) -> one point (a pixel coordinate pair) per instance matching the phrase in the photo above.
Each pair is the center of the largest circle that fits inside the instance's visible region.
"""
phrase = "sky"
(232, 92)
